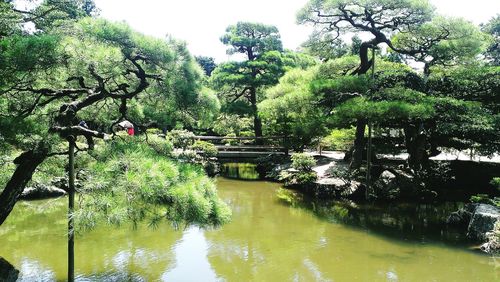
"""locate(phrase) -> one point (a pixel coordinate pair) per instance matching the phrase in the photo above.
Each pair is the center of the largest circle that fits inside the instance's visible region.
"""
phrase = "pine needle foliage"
(131, 182)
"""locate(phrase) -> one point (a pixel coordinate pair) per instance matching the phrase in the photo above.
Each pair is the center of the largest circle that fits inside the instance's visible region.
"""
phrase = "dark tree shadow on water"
(8, 272)
(405, 222)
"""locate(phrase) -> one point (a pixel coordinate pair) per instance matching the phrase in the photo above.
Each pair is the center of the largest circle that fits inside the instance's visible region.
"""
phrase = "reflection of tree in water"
(271, 241)
(403, 221)
(38, 243)
(244, 171)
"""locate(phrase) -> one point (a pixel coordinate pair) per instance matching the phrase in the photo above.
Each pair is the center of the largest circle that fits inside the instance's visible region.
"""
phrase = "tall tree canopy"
(207, 64)
(42, 14)
(493, 28)
(407, 27)
(82, 69)
(442, 41)
(380, 18)
(291, 109)
(263, 65)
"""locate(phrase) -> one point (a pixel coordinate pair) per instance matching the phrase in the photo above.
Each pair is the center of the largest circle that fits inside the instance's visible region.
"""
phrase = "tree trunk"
(365, 63)
(26, 163)
(257, 123)
(416, 143)
(427, 71)
(359, 144)
(71, 206)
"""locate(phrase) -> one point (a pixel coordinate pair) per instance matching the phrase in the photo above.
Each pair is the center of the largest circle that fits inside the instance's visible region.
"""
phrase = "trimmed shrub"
(303, 162)
(208, 149)
(160, 145)
(339, 139)
(181, 138)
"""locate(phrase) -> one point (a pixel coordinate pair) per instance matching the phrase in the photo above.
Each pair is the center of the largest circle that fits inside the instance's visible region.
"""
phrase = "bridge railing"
(219, 140)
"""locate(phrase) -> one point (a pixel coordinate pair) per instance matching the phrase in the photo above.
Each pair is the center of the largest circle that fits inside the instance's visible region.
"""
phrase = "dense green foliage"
(302, 174)
(339, 140)
(207, 64)
(493, 51)
(496, 182)
(303, 162)
(265, 62)
(76, 76)
(128, 181)
(290, 109)
(232, 124)
(446, 41)
(412, 31)
(206, 148)
(181, 138)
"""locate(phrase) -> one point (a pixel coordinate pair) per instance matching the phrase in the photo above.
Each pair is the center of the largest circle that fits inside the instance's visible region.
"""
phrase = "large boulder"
(60, 182)
(275, 171)
(396, 183)
(41, 191)
(492, 246)
(462, 217)
(334, 187)
(386, 186)
(8, 272)
(483, 221)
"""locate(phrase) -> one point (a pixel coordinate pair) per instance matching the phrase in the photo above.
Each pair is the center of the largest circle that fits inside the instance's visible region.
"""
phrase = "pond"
(268, 240)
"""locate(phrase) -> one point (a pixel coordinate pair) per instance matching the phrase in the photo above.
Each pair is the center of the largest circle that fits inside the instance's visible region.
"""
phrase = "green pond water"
(267, 240)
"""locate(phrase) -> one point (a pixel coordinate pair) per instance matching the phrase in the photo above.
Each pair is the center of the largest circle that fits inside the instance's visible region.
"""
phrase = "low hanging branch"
(66, 121)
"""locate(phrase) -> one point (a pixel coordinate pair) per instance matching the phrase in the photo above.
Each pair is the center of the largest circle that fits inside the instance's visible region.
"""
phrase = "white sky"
(201, 22)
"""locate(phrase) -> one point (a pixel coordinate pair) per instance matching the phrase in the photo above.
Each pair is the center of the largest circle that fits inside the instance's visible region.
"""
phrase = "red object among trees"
(130, 131)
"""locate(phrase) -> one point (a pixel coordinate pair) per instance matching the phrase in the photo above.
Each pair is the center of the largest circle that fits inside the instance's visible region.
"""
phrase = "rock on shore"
(41, 191)
(479, 222)
(483, 221)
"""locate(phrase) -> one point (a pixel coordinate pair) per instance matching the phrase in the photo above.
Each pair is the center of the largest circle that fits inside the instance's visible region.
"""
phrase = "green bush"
(208, 149)
(231, 142)
(154, 131)
(339, 139)
(303, 162)
(189, 156)
(496, 182)
(485, 199)
(181, 138)
(232, 124)
(294, 178)
(160, 145)
(303, 173)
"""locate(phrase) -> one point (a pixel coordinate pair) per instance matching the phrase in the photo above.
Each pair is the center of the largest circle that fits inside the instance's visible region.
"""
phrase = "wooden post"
(369, 160)
(71, 205)
(369, 147)
(285, 145)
